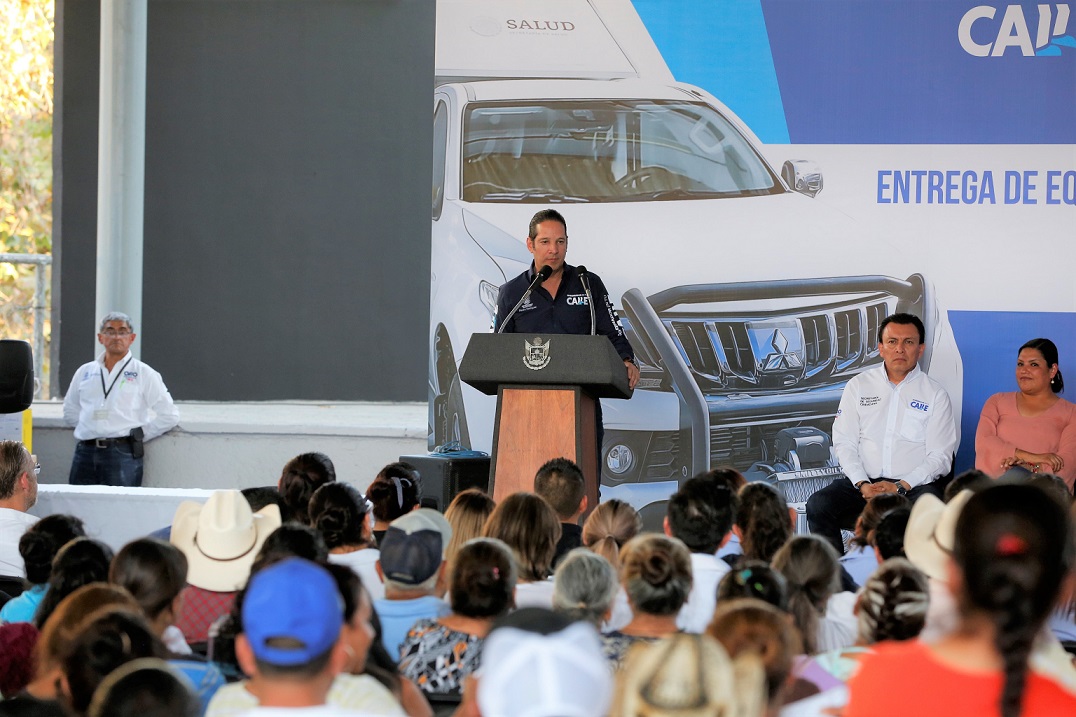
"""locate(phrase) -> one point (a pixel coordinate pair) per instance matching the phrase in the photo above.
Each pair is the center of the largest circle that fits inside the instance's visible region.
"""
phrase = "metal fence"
(40, 261)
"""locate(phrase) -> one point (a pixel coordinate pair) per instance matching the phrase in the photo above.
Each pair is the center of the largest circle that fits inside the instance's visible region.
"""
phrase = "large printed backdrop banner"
(931, 149)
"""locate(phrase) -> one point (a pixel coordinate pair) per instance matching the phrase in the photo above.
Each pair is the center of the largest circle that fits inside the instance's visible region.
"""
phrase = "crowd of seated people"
(473, 612)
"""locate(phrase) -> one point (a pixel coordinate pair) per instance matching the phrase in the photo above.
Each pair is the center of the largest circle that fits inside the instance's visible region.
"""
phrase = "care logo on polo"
(536, 354)
(920, 406)
(130, 375)
(578, 300)
(1032, 31)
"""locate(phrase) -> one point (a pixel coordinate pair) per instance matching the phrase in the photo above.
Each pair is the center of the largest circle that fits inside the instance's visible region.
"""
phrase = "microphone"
(539, 276)
(585, 278)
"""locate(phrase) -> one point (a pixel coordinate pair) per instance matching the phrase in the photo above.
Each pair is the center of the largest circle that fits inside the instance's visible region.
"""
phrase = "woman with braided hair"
(1012, 550)
(891, 606)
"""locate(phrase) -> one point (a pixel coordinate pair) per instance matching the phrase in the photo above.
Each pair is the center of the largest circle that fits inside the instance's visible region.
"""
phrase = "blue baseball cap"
(292, 612)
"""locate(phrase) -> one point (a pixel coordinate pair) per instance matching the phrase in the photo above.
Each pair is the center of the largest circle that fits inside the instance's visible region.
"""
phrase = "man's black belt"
(105, 442)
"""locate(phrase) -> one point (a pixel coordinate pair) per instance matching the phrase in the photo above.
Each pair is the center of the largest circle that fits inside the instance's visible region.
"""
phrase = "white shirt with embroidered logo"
(137, 398)
(903, 431)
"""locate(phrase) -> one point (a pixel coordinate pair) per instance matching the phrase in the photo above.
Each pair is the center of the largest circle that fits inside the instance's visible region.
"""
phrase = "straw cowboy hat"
(221, 538)
(928, 539)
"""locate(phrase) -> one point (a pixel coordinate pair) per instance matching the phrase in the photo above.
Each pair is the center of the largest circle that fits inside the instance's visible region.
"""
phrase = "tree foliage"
(26, 92)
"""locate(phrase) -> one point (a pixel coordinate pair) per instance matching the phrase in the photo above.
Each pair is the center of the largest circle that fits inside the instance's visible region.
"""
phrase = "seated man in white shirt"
(894, 433)
(700, 515)
(18, 493)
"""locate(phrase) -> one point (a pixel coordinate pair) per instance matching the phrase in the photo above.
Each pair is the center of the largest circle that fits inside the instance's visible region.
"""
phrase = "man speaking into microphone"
(569, 301)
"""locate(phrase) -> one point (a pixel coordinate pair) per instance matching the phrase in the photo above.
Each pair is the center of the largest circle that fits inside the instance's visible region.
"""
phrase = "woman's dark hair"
(971, 479)
(81, 562)
(483, 579)
(42, 540)
(396, 490)
(111, 639)
(338, 513)
(153, 571)
(145, 687)
(1014, 547)
(303, 475)
(656, 574)
(877, 508)
(1048, 350)
(888, 537)
(291, 540)
(763, 521)
(812, 572)
(754, 579)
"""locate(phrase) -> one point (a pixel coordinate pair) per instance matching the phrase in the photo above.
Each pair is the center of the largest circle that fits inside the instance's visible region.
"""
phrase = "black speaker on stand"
(444, 475)
(16, 376)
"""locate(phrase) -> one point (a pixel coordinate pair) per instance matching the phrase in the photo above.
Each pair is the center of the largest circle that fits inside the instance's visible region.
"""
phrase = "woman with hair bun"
(1033, 427)
(303, 475)
(438, 654)
(340, 514)
(396, 490)
(1011, 553)
(655, 572)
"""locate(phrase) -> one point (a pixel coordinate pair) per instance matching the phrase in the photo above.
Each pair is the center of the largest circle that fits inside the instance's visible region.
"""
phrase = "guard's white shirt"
(903, 431)
(137, 398)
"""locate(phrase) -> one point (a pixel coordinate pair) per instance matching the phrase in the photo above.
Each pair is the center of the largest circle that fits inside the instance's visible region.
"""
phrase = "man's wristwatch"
(901, 490)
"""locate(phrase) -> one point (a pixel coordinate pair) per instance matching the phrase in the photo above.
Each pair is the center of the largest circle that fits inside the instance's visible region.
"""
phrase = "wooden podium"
(546, 387)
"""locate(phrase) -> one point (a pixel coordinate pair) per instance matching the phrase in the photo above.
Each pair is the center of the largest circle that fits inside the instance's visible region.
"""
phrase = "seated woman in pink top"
(1032, 427)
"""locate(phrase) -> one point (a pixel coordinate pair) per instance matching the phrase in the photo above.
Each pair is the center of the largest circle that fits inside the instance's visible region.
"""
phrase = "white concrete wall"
(246, 444)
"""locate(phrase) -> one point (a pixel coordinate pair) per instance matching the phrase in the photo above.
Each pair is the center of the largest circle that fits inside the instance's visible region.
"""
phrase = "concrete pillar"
(121, 160)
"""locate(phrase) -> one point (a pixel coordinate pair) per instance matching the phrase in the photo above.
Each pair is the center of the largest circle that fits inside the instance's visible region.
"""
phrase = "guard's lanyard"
(113, 384)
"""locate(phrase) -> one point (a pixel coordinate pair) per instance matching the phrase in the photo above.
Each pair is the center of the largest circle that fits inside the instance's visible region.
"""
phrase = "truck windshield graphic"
(607, 151)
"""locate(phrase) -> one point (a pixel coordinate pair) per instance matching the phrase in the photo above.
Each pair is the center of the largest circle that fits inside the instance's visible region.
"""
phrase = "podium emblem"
(536, 356)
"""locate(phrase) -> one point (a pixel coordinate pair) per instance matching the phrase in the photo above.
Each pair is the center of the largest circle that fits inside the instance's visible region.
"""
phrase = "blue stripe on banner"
(988, 342)
(722, 47)
(925, 71)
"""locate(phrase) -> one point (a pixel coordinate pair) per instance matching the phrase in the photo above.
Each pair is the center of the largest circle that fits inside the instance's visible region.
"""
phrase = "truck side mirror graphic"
(803, 176)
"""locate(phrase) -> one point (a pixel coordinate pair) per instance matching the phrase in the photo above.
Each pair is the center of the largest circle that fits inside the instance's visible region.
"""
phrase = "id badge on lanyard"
(102, 413)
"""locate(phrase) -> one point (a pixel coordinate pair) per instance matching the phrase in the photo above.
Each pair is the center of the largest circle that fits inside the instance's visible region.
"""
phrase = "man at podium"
(561, 304)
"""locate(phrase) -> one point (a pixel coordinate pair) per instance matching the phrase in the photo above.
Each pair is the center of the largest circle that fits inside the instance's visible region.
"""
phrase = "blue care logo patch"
(130, 374)
(1039, 31)
(919, 406)
(577, 300)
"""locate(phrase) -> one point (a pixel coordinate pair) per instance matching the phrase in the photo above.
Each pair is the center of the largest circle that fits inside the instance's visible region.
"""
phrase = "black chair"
(12, 585)
(443, 703)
